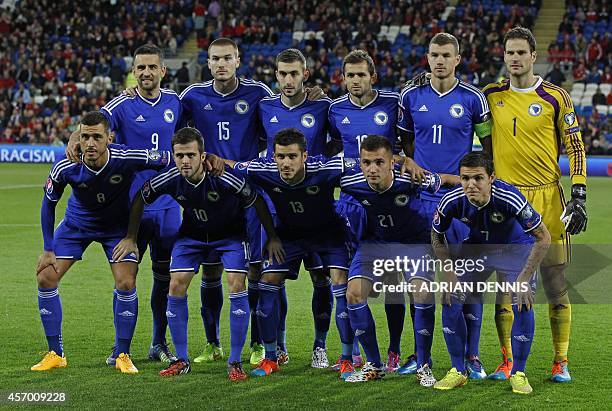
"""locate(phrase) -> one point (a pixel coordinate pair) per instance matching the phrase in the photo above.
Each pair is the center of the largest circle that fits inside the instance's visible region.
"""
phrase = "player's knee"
(236, 282)
(125, 283)
(177, 288)
(354, 293)
(271, 278)
(47, 278)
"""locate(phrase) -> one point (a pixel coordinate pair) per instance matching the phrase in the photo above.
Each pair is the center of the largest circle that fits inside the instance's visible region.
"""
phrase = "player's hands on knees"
(275, 250)
(524, 294)
(123, 248)
(417, 173)
(73, 149)
(130, 92)
(46, 259)
(214, 164)
(314, 93)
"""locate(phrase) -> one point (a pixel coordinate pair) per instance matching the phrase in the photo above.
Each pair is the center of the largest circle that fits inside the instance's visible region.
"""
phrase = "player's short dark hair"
(375, 142)
(519, 32)
(290, 56)
(149, 49)
(187, 135)
(289, 136)
(477, 159)
(356, 57)
(223, 41)
(442, 39)
(93, 118)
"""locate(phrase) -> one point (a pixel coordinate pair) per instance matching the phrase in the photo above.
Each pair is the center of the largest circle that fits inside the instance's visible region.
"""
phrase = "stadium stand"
(59, 59)
(584, 52)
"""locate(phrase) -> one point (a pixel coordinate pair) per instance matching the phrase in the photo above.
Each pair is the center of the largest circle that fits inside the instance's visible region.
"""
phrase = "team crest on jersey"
(168, 116)
(116, 179)
(154, 155)
(535, 109)
(308, 120)
(456, 110)
(401, 200)
(436, 218)
(381, 118)
(49, 186)
(497, 217)
(312, 190)
(569, 118)
(213, 196)
(349, 162)
(527, 212)
(241, 107)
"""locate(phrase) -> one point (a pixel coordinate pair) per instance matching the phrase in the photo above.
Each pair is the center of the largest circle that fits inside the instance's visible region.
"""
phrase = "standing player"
(302, 192)
(352, 118)
(147, 120)
(292, 109)
(225, 111)
(531, 117)
(213, 230)
(392, 205)
(439, 120)
(498, 215)
(96, 211)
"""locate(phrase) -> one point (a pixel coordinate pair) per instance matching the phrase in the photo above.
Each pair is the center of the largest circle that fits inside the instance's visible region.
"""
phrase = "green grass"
(86, 293)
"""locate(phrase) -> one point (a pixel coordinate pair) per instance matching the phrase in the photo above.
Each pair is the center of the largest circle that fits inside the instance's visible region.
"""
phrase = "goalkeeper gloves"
(574, 216)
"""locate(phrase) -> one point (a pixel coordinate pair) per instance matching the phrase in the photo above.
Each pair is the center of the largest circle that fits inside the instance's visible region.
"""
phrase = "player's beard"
(153, 84)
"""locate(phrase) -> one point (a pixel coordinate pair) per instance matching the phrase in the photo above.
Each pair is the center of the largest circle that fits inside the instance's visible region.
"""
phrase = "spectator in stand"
(555, 75)
(599, 98)
(594, 51)
(182, 77)
(594, 76)
(579, 72)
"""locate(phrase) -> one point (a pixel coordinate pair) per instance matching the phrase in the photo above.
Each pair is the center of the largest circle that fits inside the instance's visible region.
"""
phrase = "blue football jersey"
(506, 219)
(394, 214)
(351, 124)
(100, 199)
(310, 117)
(229, 122)
(442, 125)
(212, 209)
(306, 207)
(140, 123)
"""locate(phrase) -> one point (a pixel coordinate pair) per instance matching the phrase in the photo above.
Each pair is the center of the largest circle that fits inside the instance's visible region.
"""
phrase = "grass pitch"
(86, 293)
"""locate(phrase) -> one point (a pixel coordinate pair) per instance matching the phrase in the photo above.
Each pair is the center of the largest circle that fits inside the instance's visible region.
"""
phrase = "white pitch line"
(15, 187)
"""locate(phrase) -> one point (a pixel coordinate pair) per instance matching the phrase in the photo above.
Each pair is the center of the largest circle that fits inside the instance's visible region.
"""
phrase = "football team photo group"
(252, 194)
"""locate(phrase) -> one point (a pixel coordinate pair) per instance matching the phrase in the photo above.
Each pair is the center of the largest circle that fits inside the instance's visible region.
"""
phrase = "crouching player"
(212, 234)
(392, 206)
(302, 192)
(97, 211)
(499, 215)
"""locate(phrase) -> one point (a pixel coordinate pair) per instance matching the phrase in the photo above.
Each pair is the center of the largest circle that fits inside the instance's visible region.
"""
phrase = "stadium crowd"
(60, 59)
